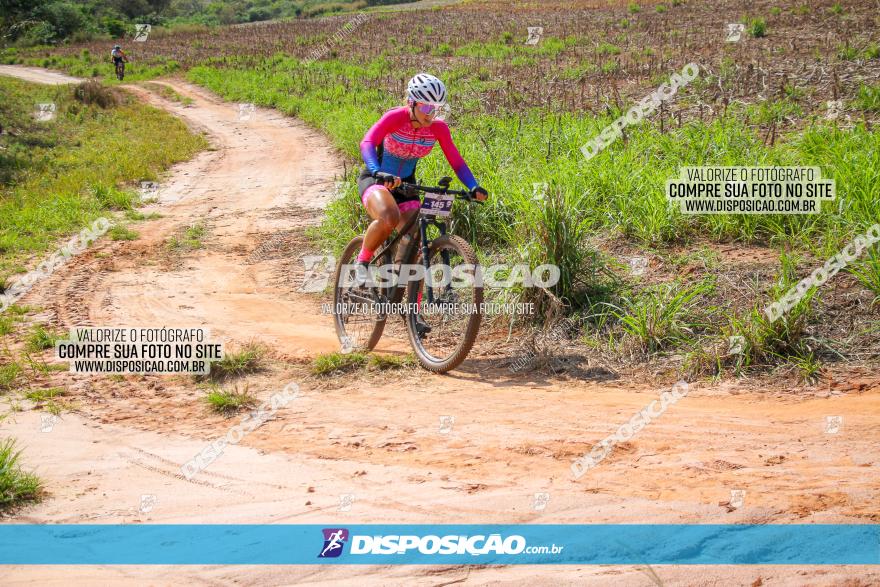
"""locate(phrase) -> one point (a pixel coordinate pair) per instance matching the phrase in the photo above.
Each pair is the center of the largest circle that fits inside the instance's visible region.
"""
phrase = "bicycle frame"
(424, 222)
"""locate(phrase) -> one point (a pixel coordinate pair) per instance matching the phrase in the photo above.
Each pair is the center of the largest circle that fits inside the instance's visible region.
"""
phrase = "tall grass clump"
(661, 316)
(868, 98)
(249, 359)
(757, 27)
(41, 339)
(338, 363)
(769, 342)
(16, 485)
(868, 273)
(227, 402)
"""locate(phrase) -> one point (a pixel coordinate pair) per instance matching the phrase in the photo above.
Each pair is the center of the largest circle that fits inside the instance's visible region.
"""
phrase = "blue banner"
(426, 544)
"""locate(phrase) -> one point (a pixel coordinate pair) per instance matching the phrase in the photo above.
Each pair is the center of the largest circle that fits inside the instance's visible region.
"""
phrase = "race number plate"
(437, 204)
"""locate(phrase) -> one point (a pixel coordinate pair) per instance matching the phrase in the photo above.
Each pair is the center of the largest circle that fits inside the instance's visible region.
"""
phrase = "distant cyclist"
(119, 59)
(392, 148)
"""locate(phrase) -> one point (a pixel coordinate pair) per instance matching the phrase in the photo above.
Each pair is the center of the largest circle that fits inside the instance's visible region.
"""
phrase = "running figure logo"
(334, 540)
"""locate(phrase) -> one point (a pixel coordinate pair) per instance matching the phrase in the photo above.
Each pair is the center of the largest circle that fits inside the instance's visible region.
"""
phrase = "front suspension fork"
(426, 261)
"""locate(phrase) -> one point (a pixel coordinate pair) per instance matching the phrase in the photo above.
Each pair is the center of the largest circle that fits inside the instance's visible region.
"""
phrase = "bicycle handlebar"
(414, 188)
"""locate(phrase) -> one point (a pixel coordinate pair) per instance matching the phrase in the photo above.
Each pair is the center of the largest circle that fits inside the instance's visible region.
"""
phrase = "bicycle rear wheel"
(357, 327)
(454, 318)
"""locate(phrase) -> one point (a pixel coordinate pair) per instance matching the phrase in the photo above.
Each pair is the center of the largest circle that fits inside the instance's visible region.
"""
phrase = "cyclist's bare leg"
(386, 216)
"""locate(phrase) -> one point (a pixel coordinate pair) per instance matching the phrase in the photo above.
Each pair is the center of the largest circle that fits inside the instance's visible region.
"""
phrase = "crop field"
(590, 57)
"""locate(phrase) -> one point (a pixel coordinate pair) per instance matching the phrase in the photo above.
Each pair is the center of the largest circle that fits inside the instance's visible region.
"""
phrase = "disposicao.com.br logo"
(393, 544)
(334, 541)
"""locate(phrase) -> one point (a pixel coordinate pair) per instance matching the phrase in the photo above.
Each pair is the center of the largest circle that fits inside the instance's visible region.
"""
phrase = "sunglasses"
(432, 110)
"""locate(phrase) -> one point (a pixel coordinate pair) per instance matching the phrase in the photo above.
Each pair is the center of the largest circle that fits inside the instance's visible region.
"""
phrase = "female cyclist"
(392, 148)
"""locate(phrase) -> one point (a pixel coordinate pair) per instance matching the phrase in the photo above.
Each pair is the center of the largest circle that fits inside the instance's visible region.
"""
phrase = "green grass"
(40, 339)
(188, 239)
(848, 52)
(337, 363)
(808, 366)
(138, 216)
(757, 27)
(97, 66)
(9, 373)
(391, 362)
(111, 198)
(249, 359)
(662, 316)
(17, 487)
(169, 93)
(605, 48)
(12, 316)
(228, 402)
(122, 233)
(6, 325)
(867, 272)
(57, 177)
(44, 395)
(769, 342)
(868, 98)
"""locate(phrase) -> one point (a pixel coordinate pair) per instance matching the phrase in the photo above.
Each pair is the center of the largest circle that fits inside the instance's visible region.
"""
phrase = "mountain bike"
(120, 70)
(442, 313)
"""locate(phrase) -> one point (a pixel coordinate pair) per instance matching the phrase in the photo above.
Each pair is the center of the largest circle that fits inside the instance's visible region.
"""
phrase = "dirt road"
(376, 442)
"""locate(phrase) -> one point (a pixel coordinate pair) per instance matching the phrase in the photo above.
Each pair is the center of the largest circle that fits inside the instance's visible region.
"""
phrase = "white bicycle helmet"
(424, 87)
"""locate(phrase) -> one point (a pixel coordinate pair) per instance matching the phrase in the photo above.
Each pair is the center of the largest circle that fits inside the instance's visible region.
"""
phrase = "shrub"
(41, 33)
(94, 92)
(66, 18)
(114, 27)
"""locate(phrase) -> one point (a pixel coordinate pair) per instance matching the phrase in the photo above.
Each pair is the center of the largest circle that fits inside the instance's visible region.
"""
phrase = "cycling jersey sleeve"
(390, 121)
(441, 132)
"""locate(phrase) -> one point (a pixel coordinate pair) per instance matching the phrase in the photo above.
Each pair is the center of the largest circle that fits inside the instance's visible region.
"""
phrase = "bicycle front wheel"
(451, 314)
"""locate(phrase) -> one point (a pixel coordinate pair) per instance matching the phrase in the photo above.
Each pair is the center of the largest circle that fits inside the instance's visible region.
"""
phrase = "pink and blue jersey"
(393, 146)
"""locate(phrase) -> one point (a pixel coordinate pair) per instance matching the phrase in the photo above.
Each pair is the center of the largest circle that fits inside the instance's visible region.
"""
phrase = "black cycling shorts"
(366, 179)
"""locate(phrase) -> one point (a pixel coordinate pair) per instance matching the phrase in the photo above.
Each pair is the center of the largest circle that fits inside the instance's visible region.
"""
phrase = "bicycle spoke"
(452, 314)
(358, 325)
